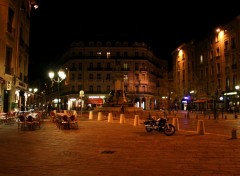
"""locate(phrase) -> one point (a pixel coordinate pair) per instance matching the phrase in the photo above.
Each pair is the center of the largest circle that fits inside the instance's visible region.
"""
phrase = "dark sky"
(162, 25)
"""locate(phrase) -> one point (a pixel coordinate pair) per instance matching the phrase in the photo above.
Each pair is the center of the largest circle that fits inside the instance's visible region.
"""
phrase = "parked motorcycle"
(161, 124)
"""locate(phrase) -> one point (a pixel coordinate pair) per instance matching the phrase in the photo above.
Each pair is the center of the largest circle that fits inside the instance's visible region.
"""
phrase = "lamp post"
(61, 76)
(237, 88)
(32, 90)
(81, 94)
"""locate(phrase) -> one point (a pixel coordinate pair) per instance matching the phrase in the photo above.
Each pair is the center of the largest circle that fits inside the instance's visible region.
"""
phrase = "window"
(80, 54)
(99, 88)
(80, 87)
(108, 55)
(125, 66)
(99, 53)
(99, 65)
(227, 83)
(201, 59)
(136, 66)
(218, 68)
(218, 52)
(79, 66)
(118, 54)
(125, 54)
(108, 76)
(137, 89)
(10, 20)
(99, 76)
(73, 76)
(79, 76)
(108, 65)
(91, 65)
(233, 43)
(8, 60)
(226, 45)
(136, 54)
(144, 88)
(91, 53)
(90, 76)
(90, 88)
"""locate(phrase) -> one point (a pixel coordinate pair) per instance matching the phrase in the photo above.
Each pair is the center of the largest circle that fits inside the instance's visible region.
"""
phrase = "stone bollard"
(90, 115)
(234, 133)
(122, 118)
(136, 120)
(200, 127)
(100, 116)
(176, 124)
(65, 111)
(110, 117)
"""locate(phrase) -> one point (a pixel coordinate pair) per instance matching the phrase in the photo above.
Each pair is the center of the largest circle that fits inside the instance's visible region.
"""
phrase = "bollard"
(200, 127)
(100, 116)
(234, 133)
(225, 117)
(110, 117)
(122, 118)
(90, 115)
(176, 124)
(136, 120)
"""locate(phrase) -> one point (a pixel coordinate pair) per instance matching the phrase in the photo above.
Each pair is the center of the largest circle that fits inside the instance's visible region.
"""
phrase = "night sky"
(56, 24)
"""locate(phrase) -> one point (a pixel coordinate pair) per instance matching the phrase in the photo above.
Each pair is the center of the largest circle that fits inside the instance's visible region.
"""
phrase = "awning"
(200, 101)
(94, 101)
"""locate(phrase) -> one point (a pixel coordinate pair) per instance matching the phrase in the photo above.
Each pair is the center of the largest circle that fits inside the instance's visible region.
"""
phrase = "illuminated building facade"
(207, 71)
(14, 52)
(96, 68)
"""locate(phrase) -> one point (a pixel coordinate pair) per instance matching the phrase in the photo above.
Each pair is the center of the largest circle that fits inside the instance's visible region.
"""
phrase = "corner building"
(14, 53)
(95, 68)
(206, 72)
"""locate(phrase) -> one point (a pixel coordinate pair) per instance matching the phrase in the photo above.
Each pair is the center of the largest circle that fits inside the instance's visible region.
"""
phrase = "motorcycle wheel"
(148, 129)
(169, 131)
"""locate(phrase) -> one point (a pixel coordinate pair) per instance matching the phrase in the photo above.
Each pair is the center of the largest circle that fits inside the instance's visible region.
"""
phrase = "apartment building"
(104, 70)
(206, 72)
(14, 52)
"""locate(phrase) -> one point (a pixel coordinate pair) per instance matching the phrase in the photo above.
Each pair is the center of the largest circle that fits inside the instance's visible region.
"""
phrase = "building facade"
(206, 72)
(111, 73)
(14, 53)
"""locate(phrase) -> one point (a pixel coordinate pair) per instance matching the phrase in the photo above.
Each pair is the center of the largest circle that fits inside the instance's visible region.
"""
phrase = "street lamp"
(237, 88)
(32, 90)
(60, 78)
(81, 94)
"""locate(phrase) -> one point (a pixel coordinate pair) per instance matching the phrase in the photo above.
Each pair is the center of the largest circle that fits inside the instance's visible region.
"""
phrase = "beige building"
(206, 72)
(111, 73)
(14, 52)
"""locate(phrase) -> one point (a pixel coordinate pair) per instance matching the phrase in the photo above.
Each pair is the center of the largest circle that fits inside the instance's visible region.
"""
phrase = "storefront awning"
(94, 101)
(200, 101)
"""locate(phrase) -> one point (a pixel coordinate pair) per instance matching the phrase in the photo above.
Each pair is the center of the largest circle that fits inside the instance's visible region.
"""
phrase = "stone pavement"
(102, 148)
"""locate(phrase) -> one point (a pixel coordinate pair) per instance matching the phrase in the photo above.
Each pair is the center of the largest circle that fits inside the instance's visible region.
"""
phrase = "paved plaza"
(103, 148)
